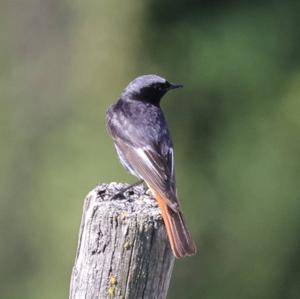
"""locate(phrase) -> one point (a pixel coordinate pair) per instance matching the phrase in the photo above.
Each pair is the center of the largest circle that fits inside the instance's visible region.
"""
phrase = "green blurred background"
(235, 125)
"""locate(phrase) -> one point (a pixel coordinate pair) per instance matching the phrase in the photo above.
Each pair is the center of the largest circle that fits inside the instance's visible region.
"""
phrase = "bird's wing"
(155, 165)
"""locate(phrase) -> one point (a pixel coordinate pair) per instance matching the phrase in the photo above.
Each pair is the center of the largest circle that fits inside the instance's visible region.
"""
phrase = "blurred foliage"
(235, 127)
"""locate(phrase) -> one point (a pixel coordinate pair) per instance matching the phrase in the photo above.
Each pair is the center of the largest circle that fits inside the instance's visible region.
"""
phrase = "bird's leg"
(122, 191)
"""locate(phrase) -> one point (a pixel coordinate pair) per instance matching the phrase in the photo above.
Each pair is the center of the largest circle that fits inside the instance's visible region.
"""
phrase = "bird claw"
(119, 195)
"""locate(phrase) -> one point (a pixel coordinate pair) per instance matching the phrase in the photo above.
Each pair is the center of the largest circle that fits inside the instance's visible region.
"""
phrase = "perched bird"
(142, 139)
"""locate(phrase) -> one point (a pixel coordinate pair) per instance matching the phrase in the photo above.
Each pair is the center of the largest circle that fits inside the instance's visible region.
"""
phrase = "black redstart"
(143, 143)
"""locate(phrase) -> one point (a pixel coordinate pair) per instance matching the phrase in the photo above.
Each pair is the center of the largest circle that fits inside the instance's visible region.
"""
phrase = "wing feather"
(152, 167)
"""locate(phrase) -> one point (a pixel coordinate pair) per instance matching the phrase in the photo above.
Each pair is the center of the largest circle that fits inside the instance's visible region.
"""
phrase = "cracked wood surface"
(123, 251)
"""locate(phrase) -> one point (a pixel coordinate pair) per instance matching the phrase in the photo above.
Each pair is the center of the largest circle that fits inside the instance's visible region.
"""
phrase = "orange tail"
(179, 236)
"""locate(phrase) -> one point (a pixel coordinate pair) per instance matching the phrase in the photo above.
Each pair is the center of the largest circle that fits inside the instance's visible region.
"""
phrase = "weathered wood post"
(123, 251)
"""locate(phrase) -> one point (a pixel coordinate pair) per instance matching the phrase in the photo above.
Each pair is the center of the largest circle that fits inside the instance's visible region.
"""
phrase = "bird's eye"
(162, 86)
(167, 84)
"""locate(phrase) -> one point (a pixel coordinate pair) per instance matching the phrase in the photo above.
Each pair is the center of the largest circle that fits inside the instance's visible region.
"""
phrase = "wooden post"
(123, 251)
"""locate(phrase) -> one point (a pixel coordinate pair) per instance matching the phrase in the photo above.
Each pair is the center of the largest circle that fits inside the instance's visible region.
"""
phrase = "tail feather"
(179, 236)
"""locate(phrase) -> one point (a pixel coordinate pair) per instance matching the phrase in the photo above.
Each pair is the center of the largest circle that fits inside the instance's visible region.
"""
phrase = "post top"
(135, 201)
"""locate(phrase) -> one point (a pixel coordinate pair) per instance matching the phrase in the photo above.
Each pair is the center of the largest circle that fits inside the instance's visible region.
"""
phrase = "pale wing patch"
(142, 154)
(171, 151)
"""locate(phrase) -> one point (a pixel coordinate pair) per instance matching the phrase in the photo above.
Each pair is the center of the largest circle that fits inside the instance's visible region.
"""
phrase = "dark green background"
(235, 125)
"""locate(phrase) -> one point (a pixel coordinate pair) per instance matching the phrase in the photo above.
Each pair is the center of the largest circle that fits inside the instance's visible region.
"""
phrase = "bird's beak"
(173, 86)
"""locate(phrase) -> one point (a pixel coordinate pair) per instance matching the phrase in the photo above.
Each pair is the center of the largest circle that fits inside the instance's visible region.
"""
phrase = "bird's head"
(148, 88)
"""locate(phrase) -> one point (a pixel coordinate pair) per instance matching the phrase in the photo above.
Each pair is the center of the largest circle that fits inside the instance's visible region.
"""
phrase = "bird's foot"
(120, 194)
